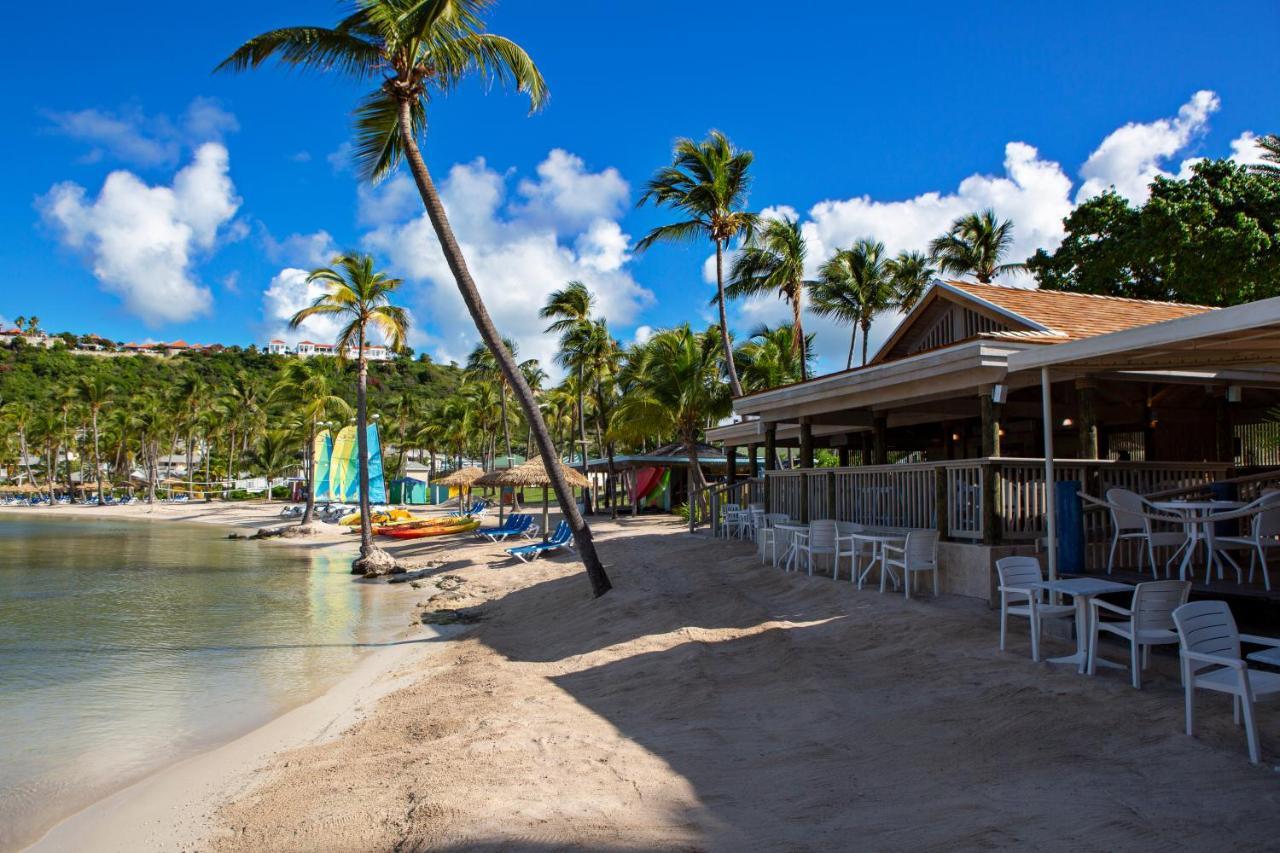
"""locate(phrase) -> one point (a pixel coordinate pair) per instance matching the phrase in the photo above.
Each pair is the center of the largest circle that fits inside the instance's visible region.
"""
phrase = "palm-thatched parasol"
(534, 473)
(463, 478)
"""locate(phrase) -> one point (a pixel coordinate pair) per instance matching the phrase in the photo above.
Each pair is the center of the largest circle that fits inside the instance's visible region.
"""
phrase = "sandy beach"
(706, 703)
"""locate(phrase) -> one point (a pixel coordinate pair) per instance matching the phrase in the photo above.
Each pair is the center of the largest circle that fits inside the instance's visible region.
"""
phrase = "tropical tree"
(854, 286)
(414, 50)
(361, 296)
(275, 455)
(910, 274)
(570, 309)
(1270, 165)
(482, 365)
(312, 384)
(976, 245)
(96, 392)
(674, 388)
(773, 260)
(767, 360)
(708, 183)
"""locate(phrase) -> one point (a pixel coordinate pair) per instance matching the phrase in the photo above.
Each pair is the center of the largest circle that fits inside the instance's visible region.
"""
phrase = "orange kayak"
(426, 530)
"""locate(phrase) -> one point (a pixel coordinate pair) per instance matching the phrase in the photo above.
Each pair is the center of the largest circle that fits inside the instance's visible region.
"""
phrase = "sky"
(149, 199)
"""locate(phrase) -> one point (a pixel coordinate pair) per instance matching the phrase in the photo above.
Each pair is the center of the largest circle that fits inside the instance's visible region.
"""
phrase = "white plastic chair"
(1019, 598)
(1210, 640)
(1148, 622)
(1129, 522)
(855, 549)
(819, 540)
(767, 537)
(919, 553)
(1264, 533)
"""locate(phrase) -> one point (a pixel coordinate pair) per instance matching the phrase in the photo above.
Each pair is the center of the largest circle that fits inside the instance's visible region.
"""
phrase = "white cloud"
(1245, 149)
(391, 201)
(1131, 156)
(642, 334)
(340, 157)
(141, 240)
(518, 253)
(302, 250)
(132, 136)
(286, 295)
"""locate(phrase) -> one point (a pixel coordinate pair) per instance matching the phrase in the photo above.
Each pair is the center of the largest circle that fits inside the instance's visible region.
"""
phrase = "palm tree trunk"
(362, 450)
(97, 457)
(797, 337)
(484, 324)
(853, 339)
(734, 385)
(309, 461)
(866, 339)
(506, 423)
(582, 422)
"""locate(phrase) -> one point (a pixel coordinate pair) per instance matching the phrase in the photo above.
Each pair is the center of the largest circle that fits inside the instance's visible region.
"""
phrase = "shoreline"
(171, 806)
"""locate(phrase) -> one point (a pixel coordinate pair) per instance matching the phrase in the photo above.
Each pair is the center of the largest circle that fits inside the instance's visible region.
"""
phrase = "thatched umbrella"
(463, 478)
(534, 473)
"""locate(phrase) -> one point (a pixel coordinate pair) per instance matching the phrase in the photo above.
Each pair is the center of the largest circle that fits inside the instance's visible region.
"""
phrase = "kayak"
(435, 521)
(424, 531)
(378, 517)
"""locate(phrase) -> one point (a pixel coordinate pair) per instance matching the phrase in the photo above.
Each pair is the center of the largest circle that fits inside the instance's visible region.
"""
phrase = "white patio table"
(1269, 656)
(878, 539)
(1200, 528)
(789, 531)
(1081, 590)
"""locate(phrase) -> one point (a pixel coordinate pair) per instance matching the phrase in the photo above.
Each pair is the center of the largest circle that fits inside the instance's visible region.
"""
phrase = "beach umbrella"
(534, 473)
(463, 478)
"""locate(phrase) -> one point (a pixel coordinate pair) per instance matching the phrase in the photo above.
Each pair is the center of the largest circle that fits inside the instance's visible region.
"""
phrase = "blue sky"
(881, 121)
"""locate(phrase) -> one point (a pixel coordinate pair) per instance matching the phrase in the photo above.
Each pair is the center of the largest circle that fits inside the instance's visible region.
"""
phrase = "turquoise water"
(125, 646)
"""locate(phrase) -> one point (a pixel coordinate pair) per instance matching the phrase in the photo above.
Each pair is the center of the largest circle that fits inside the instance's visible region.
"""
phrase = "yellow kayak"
(377, 518)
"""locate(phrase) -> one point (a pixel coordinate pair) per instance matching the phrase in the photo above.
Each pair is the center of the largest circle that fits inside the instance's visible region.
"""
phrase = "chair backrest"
(822, 535)
(756, 506)
(562, 535)
(921, 548)
(1126, 510)
(1155, 601)
(730, 507)
(772, 518)
(1018, 571)
(1209, 628)
(1266, 524)
(520, 521)
(846, 527)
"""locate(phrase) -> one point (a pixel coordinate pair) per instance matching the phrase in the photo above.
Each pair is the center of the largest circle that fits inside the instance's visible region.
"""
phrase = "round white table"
(877, 541)
(1199, 526)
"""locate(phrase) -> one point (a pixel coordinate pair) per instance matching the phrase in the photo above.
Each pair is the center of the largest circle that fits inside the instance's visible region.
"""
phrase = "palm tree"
(975, 245)
(773, 259)
(311, 384)
(708, 182)
(910, 273)
(275, 455)
(674, 388)
(767, 359)
(570, 307)
(360, 295)
(414, 50)
(854, 286)
(1270, 167)
(484, 366)
(96, 393)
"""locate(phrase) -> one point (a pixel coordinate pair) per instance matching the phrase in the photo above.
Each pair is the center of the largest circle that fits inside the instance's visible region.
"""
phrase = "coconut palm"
(96, 393)
(767, 360)
(773, 260)
(1270, 165)
(414, 50)
(361, 296)
(854, 286)
(570, 309)
(275, 455)
(483, 366)
(910, 273)
(311, 385)
(708, 182)
(975, 245)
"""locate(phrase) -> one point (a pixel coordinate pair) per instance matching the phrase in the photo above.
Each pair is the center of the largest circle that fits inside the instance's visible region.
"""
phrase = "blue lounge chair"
(476, 508)
(517, 524)
(562, 538)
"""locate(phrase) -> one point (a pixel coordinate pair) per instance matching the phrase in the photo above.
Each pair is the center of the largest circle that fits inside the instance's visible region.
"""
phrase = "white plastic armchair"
(857, 550)
(919, 553)
(1211, 660)
(1264, 533)
(1147, 622)
(767, 537)
(820, 540)
(1130, 522)
(1019, 598)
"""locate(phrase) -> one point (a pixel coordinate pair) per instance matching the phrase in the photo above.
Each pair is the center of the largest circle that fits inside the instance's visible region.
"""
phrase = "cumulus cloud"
(141, 241)
(1130, 158)
(642, 334)
(393, 200)
(560, 226)
(1245, 149)
(132, 136)
(312, 250)
(286, 295)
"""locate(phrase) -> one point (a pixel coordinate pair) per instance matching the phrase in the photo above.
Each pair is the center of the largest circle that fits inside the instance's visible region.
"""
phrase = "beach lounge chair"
(562, 538)
(517, 524)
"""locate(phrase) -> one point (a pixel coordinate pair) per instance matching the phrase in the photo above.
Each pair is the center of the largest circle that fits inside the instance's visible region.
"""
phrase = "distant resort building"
(34, 338)
(306, 349)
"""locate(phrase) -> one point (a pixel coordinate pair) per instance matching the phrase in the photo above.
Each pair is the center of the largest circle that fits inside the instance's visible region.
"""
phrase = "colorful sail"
(343, 480)
(322, 454)
(377, 484)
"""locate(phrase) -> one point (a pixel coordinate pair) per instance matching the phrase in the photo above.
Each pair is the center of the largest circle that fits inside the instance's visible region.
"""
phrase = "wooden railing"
(706, 506)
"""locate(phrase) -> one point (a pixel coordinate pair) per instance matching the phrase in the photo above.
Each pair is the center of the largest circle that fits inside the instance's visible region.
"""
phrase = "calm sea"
(125, 646)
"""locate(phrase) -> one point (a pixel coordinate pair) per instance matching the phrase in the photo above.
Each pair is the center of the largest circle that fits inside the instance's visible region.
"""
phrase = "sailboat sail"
(322, 454)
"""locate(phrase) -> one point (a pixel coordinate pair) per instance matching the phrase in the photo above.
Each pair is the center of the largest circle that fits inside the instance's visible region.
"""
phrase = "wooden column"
(1224, 435)
(806, 443)
(753, 460)
(866, 448)
(990, 425)
(635, 499)
(880, 442)
(1087, 418)
(942, 508)
(731, 463)
(770, 463)
(844, 454)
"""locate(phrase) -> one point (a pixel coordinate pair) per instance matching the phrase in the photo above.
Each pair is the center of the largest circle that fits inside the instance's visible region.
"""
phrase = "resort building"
(306, 349)
(35, 338)
(945, 428)
(277, 347)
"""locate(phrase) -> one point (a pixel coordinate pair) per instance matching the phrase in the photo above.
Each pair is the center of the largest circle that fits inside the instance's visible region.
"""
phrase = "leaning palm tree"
(413, 50)
(707, 182)
(910, 273)
(773, 260)
(975, 245)
(854, 286)
(1270, 165)
(96, 393)
(360, 295)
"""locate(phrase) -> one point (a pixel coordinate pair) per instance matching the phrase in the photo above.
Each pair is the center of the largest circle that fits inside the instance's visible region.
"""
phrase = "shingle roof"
(1077, 315)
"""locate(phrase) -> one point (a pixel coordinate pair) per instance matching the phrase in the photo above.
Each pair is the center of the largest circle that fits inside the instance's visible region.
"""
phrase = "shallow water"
(127, 645)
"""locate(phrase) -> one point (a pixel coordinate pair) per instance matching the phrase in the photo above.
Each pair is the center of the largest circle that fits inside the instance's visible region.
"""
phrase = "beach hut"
(409, 490)
(462, 479)
(534, 473)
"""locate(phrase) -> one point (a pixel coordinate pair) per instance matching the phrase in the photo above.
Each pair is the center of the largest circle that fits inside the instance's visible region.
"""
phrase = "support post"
(1088, 418)
(635, 498)
(866, 448)
(1224, 434)
(831, 495)
(1050, 513)
(731, 462)
(991, 412)
(753, 456)
(844, 455)
(880, 441)
(990, 491)
(806, 443)
(942, 503)
(770, 463)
